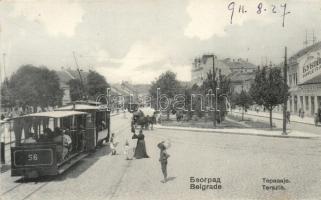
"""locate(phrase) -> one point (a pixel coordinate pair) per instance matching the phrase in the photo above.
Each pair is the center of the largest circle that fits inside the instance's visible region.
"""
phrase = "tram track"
(32, 186)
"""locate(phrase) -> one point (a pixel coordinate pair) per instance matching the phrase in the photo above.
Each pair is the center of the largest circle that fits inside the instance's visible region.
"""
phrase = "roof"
(240, 77)
(239, 63)
(67, 74)
(79, 107)
(310, 48)
(88, 102)
(55, 114)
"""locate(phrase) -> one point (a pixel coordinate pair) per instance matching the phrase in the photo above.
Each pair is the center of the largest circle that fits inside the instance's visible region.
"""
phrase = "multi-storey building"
(304, 80)
(240, 72)
(204, 65)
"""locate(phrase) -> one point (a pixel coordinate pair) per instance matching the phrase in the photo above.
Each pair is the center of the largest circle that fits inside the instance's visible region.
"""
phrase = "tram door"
(90, 132)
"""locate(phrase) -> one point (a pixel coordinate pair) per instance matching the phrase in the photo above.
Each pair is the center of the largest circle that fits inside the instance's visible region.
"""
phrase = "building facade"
(304, 80)
(240, 72)
(203, 65)
(65, 75)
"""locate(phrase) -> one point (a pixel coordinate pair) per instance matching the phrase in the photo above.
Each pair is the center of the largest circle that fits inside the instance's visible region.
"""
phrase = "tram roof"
(55, 114)
(79, 107)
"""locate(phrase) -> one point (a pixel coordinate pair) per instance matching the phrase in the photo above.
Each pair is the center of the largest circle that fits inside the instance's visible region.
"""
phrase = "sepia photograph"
(160, 99)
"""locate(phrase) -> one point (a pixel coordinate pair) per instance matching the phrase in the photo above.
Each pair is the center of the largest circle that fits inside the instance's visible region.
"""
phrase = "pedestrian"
(140, 150)
(113, 144)
(288, 114)
(163, 159)
(126, 150)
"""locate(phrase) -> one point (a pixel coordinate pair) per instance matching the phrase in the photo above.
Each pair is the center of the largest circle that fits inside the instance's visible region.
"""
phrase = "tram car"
(48, 143)
(100, 118)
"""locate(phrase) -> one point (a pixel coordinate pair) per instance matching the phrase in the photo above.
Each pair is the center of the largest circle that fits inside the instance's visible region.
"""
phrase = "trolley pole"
(285, 94)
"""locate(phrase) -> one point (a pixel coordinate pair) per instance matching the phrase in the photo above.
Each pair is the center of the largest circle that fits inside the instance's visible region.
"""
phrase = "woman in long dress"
(140, 151)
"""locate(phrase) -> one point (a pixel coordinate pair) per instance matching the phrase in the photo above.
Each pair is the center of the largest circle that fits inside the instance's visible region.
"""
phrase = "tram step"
(71, 162)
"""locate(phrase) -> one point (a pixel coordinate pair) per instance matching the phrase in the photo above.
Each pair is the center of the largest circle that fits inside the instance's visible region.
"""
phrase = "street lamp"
(216, 89)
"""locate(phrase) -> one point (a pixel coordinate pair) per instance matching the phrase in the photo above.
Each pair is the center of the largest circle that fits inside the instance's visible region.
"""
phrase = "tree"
(34, 86)
(168, 85)
(223, 84)
(75, 89)
(6, 96)
(244, 100)
(269, 89)
(96, 85)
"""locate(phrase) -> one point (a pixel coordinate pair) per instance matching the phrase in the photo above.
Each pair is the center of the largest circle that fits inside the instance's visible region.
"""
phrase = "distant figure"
(140, 150)
(113, 144)
(124, 111)
(288, 115)
(126, 150)
(163, 159)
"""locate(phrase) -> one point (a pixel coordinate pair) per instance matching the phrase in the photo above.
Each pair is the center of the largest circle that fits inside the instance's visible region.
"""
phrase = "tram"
(100, 118)
(48, 143)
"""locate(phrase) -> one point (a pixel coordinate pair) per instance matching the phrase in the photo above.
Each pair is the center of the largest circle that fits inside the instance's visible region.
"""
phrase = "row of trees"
(268, 90)
(32, 86)
(170, 86)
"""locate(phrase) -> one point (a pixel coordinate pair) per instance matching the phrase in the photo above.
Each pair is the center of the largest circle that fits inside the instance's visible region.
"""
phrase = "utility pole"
(214, 85)
(285, 94)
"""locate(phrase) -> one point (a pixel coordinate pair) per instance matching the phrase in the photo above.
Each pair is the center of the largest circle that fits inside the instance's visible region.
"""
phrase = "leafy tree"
(96, 85)
(269, 89)
(168, 85)
(75, 89)
(34, 86)
(196, 104)
(223, 84)
(244, 100)
(6, 96)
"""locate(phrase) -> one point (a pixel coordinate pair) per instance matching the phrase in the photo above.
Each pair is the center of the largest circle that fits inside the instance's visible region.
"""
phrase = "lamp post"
(216, 89)
(285, 74)
(213, 77)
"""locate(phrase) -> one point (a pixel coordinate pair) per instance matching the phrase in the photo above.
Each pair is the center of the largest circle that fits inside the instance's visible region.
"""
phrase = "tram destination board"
(33, 157)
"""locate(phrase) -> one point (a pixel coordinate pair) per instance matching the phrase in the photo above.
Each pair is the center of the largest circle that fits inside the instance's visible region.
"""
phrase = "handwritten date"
(235, 8)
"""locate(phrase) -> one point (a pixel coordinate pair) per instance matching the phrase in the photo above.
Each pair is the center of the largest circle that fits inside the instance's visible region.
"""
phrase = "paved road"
(241, 162)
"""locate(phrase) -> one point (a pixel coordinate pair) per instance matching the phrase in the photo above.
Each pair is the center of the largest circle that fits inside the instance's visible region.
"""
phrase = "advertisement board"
(309, 66)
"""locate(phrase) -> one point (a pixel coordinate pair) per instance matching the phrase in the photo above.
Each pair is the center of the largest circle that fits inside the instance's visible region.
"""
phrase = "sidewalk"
(247, 131)
(293, 118)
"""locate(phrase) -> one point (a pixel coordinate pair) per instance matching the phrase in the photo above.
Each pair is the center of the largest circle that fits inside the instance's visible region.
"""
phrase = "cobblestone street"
(239, 161)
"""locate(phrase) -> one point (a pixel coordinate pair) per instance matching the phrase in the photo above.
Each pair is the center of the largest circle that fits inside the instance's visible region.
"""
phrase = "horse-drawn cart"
(144, 117)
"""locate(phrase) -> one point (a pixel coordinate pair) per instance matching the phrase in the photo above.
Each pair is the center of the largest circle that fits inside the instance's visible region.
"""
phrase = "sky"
(137, 40)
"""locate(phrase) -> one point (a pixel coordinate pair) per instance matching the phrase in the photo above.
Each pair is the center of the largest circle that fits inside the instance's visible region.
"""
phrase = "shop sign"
(309, 66)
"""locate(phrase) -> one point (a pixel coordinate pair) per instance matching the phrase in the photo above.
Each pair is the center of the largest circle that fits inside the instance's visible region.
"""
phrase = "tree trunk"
(167, 115)
(243, 113)
(270, 118)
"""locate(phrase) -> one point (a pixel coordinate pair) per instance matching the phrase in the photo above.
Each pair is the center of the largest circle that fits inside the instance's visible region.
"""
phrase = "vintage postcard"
(160, 99)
